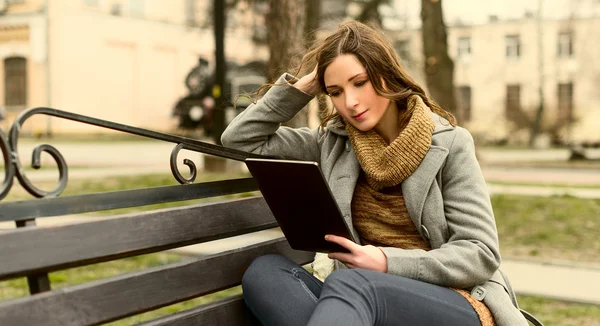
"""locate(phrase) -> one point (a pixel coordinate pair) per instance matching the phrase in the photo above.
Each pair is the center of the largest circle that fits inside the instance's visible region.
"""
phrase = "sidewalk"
(541, 191)
(551, 280)
(562, 282)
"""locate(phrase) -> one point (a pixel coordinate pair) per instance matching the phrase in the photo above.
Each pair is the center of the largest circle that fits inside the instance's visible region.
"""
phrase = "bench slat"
(225, 312)
(35, 250)
(111, 299)
(37, 208)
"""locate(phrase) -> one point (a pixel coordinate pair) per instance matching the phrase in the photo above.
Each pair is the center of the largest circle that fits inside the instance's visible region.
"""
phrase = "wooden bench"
(33, 252)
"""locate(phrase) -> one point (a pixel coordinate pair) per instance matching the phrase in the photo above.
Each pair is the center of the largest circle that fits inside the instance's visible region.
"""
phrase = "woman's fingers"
(346, 243)
(342, 256)
(346, 258)
(367, 257)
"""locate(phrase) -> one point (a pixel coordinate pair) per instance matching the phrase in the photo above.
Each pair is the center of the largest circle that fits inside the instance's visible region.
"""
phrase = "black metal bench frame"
(33, 252)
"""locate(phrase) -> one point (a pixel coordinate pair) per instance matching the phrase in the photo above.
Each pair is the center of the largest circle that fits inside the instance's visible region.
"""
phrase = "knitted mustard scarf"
(388, 165)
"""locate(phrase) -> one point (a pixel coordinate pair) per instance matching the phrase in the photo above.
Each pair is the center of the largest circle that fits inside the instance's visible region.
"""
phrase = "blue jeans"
(280, 292)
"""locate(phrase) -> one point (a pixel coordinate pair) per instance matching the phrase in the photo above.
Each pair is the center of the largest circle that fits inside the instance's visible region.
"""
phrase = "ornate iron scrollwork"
(13, 166)
(35, 158)
(8, 167)
(186, 161)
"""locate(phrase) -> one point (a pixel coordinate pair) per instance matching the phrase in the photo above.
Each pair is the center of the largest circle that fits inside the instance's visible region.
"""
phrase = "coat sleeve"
(471, 255)
(258, 128)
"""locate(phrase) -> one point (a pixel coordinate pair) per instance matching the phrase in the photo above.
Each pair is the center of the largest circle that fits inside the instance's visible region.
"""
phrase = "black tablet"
(301, 202)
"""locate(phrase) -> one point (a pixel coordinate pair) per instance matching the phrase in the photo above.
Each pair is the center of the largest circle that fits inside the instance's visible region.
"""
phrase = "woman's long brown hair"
(375, 52)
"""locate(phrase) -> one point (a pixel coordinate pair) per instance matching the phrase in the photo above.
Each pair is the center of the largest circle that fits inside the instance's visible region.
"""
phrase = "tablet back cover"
(301, 202)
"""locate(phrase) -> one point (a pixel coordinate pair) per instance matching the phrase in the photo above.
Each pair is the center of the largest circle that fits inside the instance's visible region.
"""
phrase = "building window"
(136, 8)
(513, 47)
(464, 47)
(464, 103)
(565, 44)
(402, 47)
(91, 3)
(565, 101)
(15, 83)
(513, 101)
(190, 12)
(116, 9)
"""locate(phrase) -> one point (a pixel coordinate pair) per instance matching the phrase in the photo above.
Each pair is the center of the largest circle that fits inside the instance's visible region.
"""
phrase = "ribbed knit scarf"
(388, 165)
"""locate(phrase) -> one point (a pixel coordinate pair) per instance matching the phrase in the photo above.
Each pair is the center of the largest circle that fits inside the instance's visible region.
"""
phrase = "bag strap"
(530, 318)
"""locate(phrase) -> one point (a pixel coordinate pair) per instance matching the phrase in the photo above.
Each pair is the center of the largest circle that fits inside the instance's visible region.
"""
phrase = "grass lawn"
(564, 228)
(559, 313)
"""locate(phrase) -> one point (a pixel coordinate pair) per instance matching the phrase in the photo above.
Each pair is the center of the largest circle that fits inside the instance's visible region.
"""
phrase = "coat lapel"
(416, 187)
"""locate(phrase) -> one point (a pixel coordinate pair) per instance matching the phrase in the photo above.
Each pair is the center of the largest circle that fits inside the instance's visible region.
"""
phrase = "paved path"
(491, 174)
(502, 155)
(548, 176)
(590, 193)
(563, 282)
(148, 151)
(122, 158)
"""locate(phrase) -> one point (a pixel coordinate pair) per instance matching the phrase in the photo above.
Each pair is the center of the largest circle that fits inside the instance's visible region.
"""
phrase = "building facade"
(127, 61)
(121, 60)
(499, 67)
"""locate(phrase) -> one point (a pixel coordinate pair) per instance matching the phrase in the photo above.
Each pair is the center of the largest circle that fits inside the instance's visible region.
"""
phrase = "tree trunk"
(535, 127)
(370, 13)
(284, 30)
(312, 21)
(439, 68)
(284, 36)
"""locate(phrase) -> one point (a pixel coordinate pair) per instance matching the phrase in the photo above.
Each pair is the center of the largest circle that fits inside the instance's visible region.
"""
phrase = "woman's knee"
(261, 271)
(348, 281)
(348, 275)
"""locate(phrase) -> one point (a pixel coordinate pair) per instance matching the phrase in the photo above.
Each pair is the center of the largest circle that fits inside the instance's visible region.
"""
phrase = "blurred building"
(120, 60)
(498, 72)
(127, 61)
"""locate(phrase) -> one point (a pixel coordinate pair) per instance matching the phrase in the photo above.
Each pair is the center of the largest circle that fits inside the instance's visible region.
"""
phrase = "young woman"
(406, 179)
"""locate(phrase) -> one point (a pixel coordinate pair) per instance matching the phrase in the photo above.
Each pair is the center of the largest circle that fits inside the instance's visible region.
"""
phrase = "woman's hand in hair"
(309, 83)
(365, 257)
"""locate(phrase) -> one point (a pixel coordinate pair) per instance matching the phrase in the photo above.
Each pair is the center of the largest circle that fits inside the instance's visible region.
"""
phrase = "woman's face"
(352, 93)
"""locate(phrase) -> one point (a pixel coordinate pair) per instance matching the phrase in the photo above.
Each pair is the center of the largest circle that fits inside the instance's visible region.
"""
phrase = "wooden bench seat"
(33, 252)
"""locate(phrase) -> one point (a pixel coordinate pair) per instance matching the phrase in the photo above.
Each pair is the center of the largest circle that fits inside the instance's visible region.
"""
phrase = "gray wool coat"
(446, 197)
